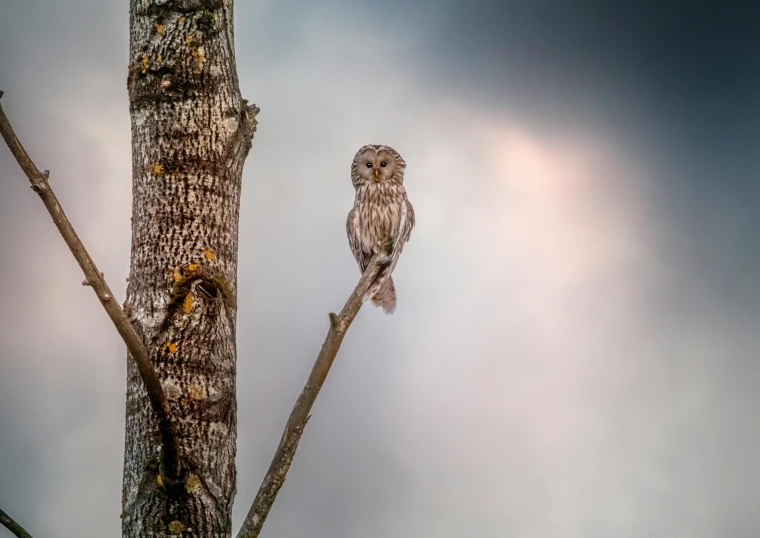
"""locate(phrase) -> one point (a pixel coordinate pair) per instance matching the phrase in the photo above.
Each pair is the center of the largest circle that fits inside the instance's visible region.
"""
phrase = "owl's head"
(375, 163)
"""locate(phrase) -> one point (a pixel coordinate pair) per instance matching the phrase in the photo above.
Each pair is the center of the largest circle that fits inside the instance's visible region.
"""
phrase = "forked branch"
(299, 416)
(170, 454)
(12, 526)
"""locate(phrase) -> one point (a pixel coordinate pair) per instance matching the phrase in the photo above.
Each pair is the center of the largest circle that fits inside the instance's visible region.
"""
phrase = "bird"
(381, 213)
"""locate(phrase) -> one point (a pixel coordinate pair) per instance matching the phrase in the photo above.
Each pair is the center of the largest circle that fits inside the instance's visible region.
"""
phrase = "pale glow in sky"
(551, 277)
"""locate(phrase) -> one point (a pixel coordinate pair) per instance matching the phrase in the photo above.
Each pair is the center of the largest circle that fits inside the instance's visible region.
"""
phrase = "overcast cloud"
(574, 352)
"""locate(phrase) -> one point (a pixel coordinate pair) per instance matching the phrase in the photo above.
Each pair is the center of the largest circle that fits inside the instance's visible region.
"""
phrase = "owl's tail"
(386, 297)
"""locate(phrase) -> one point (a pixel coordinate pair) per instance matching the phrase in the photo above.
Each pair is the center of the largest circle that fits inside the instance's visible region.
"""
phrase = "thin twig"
(94, 278)
(12, 526)
(299, 416)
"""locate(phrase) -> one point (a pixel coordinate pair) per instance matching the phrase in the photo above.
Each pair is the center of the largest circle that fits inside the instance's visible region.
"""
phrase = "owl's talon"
(384, 246)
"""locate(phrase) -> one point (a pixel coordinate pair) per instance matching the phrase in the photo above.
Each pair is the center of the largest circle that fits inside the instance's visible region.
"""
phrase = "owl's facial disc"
(377, 166)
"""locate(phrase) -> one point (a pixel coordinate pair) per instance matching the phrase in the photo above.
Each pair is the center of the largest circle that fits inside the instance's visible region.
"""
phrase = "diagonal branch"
(299, 416)
(39, 180)
(12, 526)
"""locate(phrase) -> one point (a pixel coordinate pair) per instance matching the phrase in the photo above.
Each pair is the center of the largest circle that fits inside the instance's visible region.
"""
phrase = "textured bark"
(191, 132)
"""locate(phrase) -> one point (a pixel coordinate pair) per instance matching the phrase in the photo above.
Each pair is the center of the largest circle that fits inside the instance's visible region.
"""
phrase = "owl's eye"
(369, 165)
(383, 164)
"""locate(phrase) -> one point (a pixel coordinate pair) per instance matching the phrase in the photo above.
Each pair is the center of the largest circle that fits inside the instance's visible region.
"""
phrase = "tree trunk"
(191, 132)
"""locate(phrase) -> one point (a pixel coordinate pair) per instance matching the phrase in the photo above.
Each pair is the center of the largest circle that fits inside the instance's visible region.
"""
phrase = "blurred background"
(574, 352)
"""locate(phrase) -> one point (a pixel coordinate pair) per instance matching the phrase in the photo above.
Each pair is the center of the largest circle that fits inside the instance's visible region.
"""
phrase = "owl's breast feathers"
(380, 211)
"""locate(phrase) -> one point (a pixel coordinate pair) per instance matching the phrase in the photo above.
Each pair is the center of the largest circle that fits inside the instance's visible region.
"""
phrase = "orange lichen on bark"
(195, 392)
(188, 304)
(193, 483)
(158, 169)
(160, 28)
(209, 254)
(170, 347)
(198, 56)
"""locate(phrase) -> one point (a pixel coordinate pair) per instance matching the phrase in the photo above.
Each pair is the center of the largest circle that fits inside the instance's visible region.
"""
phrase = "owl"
(381, 211)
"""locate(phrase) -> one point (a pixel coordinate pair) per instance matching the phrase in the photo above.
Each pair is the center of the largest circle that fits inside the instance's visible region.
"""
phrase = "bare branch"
(7, 520)
(299, 416)
(94, 278)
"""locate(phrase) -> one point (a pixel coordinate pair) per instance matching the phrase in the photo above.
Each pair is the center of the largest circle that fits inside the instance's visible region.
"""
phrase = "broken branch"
(94, 278)
(299, 416)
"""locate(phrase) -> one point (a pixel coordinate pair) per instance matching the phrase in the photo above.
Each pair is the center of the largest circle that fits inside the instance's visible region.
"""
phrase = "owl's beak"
(377, 174)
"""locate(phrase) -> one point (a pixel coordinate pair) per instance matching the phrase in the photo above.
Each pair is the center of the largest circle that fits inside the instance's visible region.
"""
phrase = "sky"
(574, 349)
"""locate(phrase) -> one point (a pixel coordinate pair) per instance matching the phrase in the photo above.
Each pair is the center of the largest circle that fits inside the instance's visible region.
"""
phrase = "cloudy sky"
(574, 352)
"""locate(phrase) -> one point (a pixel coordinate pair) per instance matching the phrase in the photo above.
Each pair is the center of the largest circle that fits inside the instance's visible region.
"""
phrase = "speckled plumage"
(381, 210)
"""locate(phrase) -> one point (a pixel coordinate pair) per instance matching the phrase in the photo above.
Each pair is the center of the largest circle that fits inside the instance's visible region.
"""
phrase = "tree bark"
(191, 132)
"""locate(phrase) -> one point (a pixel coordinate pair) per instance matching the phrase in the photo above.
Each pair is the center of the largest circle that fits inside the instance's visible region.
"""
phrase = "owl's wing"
(400, 237)
(354, 239)
(405, 225)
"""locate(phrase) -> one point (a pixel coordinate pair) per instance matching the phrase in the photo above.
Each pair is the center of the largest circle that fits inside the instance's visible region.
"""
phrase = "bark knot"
(212, 284)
